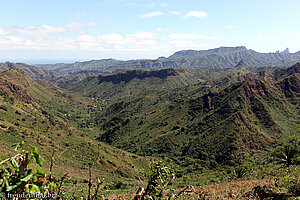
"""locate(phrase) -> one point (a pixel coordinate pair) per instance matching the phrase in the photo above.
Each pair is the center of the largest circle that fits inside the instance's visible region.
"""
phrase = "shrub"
(18, 112)
(239, 172)
(288, 153)
(12, 130)
(160, 178)
(293, 186)
(44, 112)
(20, 179)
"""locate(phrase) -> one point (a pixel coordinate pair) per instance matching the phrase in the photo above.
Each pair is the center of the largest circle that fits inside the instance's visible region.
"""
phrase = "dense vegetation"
(249, 115)
(48, 118)
(236, 130)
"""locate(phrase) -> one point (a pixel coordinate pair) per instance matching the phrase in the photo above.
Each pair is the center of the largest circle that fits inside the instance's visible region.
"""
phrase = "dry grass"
(230, 190)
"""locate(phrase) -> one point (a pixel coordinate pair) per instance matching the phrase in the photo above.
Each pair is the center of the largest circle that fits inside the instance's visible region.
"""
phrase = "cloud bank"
(76, 37)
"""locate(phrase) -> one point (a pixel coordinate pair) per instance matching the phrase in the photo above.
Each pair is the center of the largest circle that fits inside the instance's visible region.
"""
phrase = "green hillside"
(132, 83)
(251, 114)
(206, 123)
(48, 118)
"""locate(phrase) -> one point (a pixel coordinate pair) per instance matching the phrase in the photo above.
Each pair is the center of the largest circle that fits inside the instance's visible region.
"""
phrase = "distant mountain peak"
(286, 51)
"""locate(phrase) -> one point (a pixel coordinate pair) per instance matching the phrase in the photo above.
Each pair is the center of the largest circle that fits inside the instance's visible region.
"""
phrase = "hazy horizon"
(56, 61)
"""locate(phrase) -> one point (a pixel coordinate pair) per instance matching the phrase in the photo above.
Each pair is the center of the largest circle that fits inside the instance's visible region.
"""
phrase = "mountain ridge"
(218, 58)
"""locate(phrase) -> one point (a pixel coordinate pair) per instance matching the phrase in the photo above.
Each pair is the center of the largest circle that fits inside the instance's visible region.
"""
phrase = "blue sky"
(76, 30)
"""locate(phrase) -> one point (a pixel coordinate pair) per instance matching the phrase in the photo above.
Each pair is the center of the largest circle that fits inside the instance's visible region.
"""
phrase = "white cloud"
(173, 12)
(151, 14)
(138, 43)
(43, 30)
(46, 29)
(161, 29)
(199, 14)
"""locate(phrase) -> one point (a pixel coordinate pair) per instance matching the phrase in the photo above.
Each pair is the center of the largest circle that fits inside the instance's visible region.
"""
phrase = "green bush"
(287, 154)
(18, 178)
(160, 178)
(239, 171)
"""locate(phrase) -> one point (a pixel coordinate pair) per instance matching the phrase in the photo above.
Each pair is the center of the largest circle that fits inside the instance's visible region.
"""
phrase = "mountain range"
(219, 58)
(204, 107)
